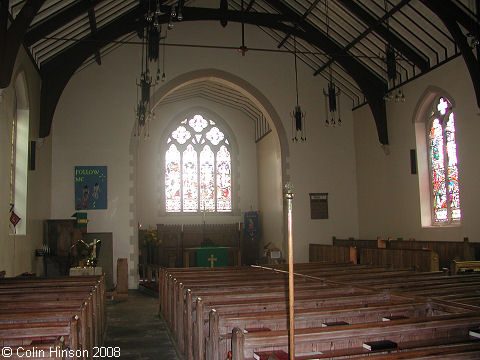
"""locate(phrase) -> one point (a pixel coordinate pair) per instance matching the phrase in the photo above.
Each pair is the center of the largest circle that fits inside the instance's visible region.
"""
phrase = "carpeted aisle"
(134, 328)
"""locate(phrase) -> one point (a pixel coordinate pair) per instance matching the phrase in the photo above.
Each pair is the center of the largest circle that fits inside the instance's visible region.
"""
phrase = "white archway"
(240, 85)
(254, 95)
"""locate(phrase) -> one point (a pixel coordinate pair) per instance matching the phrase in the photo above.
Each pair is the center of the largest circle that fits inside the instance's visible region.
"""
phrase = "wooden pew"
(39, 351)
(457, 266)
(202, 305)
(72, 308)
(97, 283)
(90, 318)
(321, 340)
(18, 334)
(417, 259)
(446, 250)
(220, 325)
(198, 307)
(51, 316)
(340, 254)
(377, 243)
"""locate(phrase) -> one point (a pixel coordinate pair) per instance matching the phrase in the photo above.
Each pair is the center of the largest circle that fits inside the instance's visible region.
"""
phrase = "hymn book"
(334, 323)
(270, 355)
(474, 332)
(380, 345)
(309, 356)
(248, 330)
(394, 317)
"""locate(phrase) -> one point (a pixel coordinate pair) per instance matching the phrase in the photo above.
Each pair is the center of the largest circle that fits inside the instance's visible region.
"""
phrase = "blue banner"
(90, 187)
(251, 224)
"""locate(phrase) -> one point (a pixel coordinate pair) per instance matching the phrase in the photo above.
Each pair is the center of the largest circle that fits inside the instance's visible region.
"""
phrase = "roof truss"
(350, 55)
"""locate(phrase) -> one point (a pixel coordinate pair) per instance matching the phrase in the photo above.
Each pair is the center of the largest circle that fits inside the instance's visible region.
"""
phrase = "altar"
(177, 245)
(212, 256)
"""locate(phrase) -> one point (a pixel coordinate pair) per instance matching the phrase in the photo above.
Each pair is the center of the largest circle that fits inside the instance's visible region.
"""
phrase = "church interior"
(279, 176)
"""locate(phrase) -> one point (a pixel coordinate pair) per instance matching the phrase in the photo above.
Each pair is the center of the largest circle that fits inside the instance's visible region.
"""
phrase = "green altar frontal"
(211, 257)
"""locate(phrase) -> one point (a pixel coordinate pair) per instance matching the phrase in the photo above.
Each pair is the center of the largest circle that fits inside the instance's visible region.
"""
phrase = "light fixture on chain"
(242, 49)
(332, 94)
(298, 116)
(332, 114)
(176, 13)
(474, 41)
(391, 64)
(150, 52)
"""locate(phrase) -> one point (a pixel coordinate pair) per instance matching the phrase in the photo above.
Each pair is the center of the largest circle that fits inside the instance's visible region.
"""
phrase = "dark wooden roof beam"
(58, 19)
(377, 26)
(12, 38)
(445, 12)
(249, 6)
(57, 71)
(93, 29)
(372, 86)
(304, 16)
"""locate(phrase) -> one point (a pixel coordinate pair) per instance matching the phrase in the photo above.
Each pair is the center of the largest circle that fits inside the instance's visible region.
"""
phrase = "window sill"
(442, 226)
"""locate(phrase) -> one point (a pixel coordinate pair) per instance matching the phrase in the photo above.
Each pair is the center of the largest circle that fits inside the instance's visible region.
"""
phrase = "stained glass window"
(443, 164)
(172, 179)
(198, 168)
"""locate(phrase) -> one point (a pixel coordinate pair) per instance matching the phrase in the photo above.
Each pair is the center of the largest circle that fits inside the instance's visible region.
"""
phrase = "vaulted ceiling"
(345, 41)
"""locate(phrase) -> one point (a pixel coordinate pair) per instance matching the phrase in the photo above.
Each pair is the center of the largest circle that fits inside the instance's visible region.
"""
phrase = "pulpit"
(60, 236)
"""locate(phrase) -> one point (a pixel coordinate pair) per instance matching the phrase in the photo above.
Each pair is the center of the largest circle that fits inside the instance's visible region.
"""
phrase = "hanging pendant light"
(298, 116)
(332, 112)
(391, 65)
(150, 36)
(332, 94)
(243, 49)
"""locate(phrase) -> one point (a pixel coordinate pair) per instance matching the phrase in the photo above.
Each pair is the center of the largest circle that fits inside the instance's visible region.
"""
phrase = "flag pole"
(289, 195)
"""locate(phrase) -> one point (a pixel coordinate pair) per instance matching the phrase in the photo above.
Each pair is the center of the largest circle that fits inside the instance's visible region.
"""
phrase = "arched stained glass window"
(198, 168)
(442, 155)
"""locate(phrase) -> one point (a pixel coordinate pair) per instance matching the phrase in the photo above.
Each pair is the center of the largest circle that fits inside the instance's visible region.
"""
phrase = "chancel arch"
(243, 86)
(256, 185)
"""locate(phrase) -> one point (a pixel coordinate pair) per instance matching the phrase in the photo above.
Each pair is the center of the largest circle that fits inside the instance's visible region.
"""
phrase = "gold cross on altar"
(212, 260)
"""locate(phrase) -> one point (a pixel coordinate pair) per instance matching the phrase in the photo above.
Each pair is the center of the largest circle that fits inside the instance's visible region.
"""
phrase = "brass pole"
(288, 191)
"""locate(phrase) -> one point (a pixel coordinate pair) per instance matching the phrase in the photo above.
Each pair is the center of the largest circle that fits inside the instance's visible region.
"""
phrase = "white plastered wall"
(150, 155)
(21, 99)
(94, 118)
(388, 194)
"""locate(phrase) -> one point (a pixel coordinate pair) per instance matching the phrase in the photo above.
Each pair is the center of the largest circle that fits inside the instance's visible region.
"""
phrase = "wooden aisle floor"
(135, 327)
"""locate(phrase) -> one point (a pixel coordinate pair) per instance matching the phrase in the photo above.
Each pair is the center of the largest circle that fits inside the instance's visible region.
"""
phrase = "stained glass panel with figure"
(207, 179)
(172, 179)
(224, 180)
(190, 179)
(452, 169)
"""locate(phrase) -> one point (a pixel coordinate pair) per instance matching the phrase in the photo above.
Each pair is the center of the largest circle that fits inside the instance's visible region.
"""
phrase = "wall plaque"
(318, 205)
